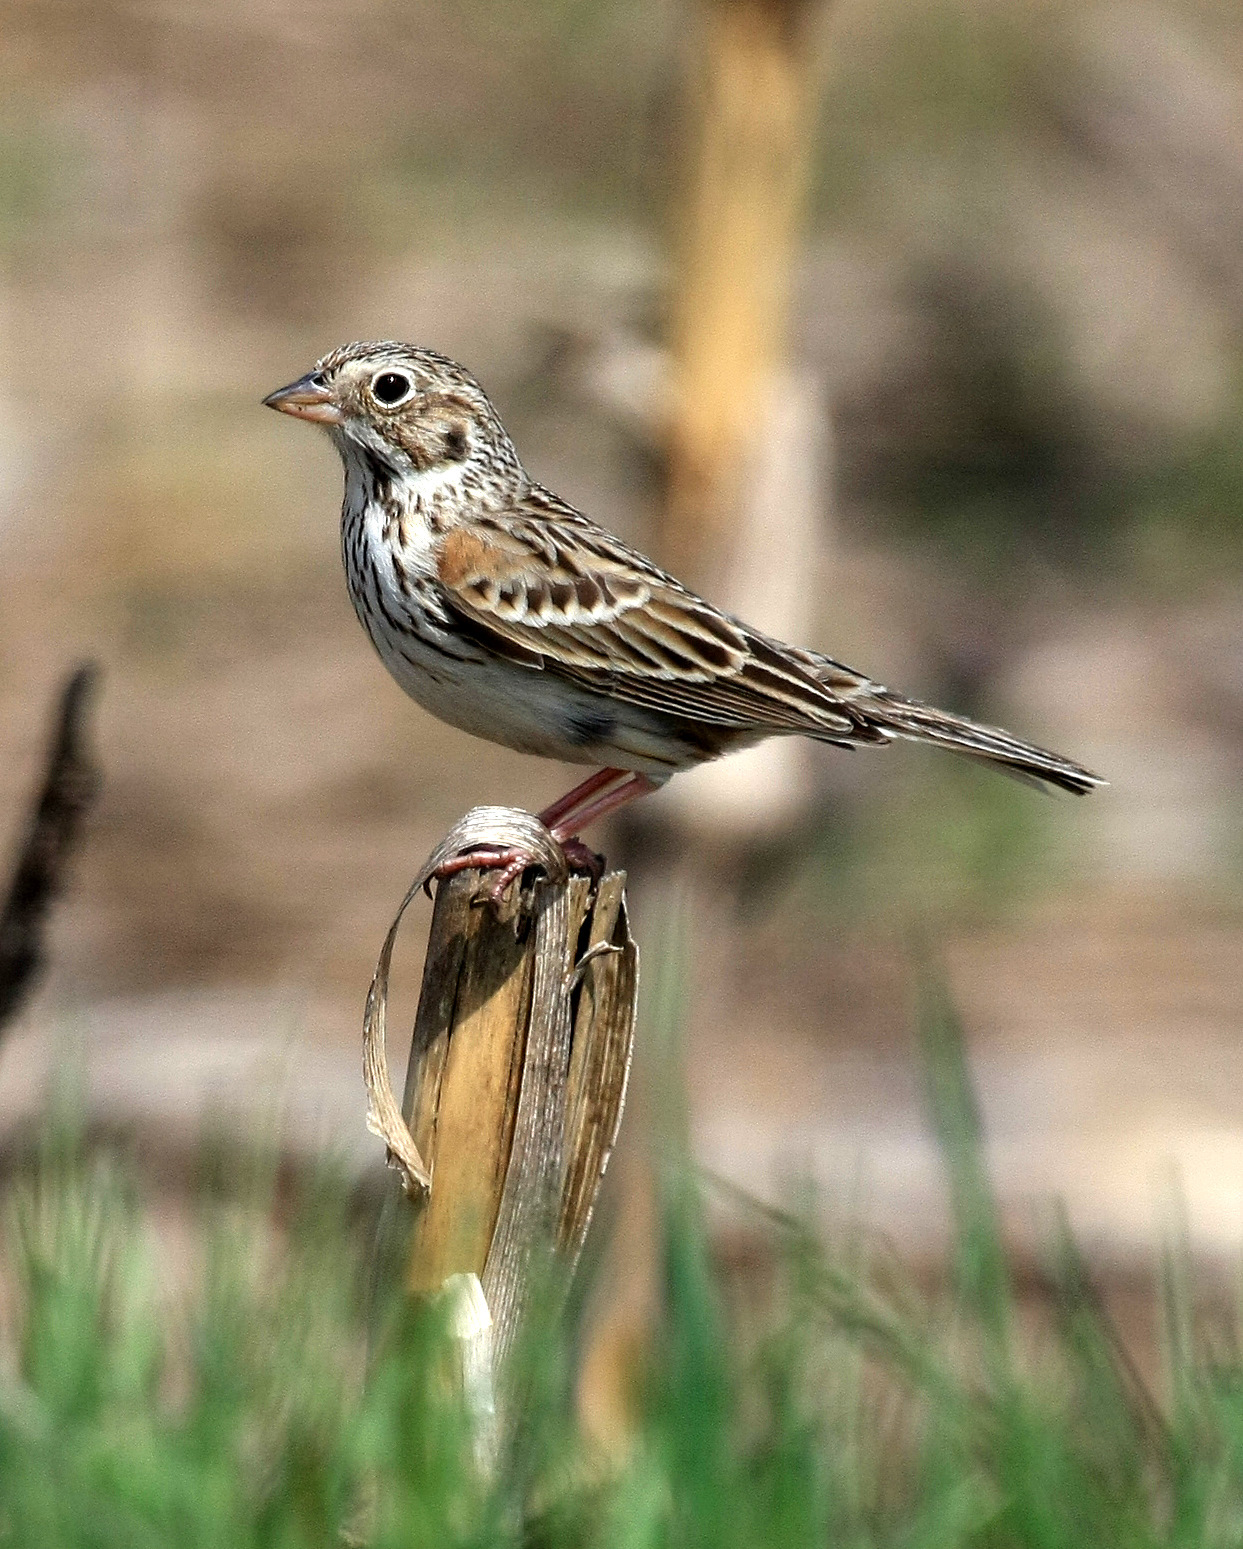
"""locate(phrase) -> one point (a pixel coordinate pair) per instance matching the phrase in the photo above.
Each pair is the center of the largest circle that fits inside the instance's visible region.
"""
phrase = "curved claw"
(514, 867)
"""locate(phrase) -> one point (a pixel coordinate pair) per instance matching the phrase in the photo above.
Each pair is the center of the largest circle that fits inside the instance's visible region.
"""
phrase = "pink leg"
(565, 830)
(570, 823)
(594, 798)
(596, 782)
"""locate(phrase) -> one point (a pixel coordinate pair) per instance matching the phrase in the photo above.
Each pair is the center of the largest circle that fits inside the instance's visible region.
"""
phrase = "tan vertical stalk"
(750, 129)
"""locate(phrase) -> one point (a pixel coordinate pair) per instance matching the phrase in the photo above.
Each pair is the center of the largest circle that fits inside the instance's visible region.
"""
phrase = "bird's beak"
(307, 398)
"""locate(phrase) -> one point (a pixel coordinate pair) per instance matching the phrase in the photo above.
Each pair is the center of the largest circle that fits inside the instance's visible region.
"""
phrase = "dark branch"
(70, 783)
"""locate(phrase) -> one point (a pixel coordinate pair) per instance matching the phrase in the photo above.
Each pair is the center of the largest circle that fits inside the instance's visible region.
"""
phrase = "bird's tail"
(899, 717)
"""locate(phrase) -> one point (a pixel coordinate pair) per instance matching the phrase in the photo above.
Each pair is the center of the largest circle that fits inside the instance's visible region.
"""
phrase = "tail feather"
(991, 744)
(878, 715)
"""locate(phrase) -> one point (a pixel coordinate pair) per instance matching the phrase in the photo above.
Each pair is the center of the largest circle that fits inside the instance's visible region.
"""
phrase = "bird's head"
(417, 411)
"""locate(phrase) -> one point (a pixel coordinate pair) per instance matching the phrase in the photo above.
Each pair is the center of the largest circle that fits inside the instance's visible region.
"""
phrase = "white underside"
(519, 708)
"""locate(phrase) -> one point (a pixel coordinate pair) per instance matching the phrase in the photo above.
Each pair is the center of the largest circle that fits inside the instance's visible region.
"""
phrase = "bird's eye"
(392, 388)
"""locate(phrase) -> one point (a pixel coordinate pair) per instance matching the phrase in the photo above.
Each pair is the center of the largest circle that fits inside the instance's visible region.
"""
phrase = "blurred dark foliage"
(986, 447)
(70, 784)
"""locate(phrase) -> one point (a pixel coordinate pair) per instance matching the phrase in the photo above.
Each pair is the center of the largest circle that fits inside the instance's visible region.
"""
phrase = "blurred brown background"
(1014, 348)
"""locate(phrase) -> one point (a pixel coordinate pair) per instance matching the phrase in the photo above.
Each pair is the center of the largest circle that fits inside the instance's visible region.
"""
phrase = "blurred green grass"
(957, 845)
(941, 844)
(856, 1410)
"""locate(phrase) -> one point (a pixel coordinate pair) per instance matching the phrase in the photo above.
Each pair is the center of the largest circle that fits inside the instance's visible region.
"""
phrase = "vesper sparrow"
(506, 612)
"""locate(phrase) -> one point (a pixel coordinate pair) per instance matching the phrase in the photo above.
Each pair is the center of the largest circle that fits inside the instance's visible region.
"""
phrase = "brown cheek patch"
(414, 444)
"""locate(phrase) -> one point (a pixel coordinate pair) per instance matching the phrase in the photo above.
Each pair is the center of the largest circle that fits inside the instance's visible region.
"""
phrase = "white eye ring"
(397, 387)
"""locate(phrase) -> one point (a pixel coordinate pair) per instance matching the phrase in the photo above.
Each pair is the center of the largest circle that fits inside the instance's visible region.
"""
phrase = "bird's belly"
(533, 712)
(479, 698)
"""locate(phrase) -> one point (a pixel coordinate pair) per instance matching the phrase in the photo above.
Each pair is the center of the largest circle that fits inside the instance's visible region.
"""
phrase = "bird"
(505, 611)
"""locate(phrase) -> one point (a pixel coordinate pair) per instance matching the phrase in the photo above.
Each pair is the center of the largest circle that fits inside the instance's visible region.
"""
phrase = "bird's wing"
(550, 590)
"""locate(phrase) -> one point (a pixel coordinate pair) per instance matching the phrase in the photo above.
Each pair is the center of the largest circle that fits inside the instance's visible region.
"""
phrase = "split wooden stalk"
(516, 1080)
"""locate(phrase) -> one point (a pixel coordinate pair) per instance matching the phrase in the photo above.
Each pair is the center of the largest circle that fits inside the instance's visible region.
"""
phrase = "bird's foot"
(512, 863)
(509, 864)
(581, 857)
